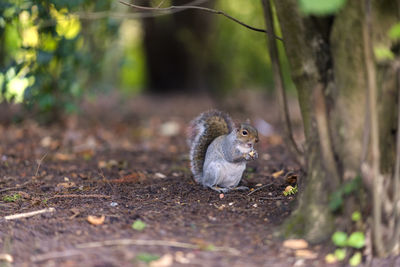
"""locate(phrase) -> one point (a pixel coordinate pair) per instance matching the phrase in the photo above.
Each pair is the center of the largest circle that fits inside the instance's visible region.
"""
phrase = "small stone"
(221, 196)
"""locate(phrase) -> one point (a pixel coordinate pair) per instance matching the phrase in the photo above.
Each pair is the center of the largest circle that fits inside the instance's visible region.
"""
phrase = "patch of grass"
(147, 257)
(11, 198)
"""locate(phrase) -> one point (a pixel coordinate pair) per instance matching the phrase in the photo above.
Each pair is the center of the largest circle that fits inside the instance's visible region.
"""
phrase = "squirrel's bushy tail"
(202, 131)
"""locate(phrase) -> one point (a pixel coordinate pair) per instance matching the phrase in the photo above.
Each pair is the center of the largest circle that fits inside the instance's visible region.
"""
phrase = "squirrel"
(219, 150)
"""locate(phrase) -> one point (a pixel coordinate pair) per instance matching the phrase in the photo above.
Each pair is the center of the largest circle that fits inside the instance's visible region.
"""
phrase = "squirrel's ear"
(236, 126)
(248, 121)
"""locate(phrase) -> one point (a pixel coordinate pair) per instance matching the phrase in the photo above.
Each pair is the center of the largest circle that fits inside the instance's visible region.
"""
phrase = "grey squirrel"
(219, 150)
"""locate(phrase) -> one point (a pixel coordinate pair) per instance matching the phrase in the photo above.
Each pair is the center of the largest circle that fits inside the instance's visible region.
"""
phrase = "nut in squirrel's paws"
(253, 154)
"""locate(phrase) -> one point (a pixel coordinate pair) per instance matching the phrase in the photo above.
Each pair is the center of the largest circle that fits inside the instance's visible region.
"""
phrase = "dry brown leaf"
(295, 244)
(6, 257)
(306, 254)
(96, 220)
(277, 174)
(66, 185)
(64, 157)
(164, 261)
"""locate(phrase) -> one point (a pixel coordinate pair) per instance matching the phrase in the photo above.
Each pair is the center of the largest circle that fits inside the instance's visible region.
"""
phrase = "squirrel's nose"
(250, 144)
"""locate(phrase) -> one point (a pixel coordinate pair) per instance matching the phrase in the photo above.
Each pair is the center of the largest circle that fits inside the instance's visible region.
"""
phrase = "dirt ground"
(128, 161)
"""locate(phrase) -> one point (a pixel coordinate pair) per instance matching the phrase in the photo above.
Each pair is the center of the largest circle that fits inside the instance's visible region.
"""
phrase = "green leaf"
(336, 201)
(339, 238)
(139, 225)
(147, 257)
(356, 240)
(340, 254)
(394, 32)
(356, 216)
(355, 259)
(320, 7)
(383, 53)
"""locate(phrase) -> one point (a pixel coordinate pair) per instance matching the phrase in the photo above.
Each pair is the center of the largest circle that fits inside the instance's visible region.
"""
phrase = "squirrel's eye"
(244, 132)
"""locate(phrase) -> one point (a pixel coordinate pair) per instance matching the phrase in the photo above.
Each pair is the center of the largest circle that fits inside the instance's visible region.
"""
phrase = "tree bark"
(327, 62)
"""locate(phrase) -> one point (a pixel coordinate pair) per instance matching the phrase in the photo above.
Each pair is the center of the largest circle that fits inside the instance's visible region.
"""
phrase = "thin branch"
(209, 10)
(138, 242)
(160, 4)
(28, 214)
(122, 15)
(279, 84)
(396, 180)
(324, 136)
(39, 163)
(372, 106)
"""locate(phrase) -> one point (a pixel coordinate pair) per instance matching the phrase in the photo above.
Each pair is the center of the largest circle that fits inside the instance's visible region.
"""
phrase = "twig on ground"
(39, 163)
(55, 255)
(79, 196)
(272, 198)
(28, 214)
(15, 187)
(261, 187)
(166, 243)
(209, 10)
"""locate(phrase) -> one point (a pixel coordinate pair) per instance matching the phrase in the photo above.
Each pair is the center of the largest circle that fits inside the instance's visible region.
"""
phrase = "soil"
(128, 161)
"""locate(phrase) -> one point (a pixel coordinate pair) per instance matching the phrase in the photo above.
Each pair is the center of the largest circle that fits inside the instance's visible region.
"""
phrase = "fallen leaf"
(66, 185)
(96, 220)
(63, 157)
(306, 254)
(164, 261)
(159, 175)
(180, 257)
(6, 257)
(277, 174)
(330, 258)
(295, 244)
(169, 128)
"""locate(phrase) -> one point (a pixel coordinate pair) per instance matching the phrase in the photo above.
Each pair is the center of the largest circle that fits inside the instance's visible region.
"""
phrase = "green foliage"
(147, 257)
(339, 238)
(394, 32)
(356, 240)
(356, 216)
(383, 53)
(355, 259)
(340, 254)
(336, 199)
(139, 225)
(46, 53)
(11, 198)
(318, 7)
(291, 191)
(241, 55)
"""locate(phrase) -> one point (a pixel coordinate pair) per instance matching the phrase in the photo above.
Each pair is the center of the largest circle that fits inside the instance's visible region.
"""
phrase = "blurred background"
(54, 54)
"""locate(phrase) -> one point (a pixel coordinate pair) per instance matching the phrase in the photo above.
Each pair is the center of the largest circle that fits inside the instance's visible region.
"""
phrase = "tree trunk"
(327, 60)
(176, 50)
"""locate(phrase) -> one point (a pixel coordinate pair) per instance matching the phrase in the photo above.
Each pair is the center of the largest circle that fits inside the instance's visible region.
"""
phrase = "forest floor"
(126, 163)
